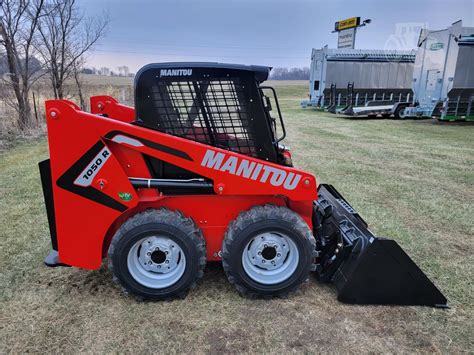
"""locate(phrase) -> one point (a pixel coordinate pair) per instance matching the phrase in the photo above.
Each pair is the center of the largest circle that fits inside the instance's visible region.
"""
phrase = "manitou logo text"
(250, 170)
(176, 72)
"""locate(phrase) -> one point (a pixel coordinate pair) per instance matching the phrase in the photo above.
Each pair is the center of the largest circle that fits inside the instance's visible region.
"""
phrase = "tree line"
(289, 74)
(44, 38)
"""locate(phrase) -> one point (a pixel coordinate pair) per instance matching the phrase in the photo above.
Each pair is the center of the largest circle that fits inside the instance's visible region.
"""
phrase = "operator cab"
(222, 105)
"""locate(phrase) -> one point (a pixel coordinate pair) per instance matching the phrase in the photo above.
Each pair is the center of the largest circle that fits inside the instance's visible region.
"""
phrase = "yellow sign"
(347, 23)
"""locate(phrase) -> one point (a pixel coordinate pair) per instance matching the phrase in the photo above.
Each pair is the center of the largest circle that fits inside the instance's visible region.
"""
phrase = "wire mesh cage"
(218, 104)
(214, 111)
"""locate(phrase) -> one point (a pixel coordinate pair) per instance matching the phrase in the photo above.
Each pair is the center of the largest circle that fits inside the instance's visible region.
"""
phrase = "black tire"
(386, 115)
(398, 114)
(258, 220)
(177, 228)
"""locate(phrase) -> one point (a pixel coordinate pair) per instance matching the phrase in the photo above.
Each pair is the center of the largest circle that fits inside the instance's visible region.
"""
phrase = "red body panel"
(93, 156)
(107, 105)
(211, 213)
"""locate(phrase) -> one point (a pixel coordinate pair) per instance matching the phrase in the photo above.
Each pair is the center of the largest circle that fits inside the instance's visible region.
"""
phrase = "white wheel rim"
(156, 262)
(270, 258)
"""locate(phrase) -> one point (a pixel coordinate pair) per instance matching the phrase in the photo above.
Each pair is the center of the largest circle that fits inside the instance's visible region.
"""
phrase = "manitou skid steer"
(196, 172)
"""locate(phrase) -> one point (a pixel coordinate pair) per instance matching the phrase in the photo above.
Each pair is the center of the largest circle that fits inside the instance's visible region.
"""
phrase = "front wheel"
(157, 255)
(268, 251)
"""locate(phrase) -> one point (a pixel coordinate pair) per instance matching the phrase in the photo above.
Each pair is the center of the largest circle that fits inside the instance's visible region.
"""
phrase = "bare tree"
(18, 24)
(78, 80)
(66, 36)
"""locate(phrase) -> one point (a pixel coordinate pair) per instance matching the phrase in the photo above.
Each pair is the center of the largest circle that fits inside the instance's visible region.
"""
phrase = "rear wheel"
(157, 254)
(268, 251)
(400, 113)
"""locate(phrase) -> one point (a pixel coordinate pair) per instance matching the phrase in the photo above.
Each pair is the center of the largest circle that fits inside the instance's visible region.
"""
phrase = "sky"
(277, 33)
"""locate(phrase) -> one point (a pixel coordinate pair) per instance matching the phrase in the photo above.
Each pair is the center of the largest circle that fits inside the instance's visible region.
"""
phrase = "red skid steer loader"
(196, 172)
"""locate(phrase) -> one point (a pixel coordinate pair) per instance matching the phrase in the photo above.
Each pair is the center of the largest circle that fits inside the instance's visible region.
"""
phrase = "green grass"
(411, 181)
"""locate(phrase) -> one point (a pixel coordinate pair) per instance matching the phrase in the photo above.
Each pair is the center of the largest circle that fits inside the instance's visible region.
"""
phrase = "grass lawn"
(410, 180)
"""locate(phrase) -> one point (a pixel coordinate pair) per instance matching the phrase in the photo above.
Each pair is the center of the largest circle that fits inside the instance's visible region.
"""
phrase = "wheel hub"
(158, 257)
(158, 254)
(156, 262)
(270, 258)
(269, 253)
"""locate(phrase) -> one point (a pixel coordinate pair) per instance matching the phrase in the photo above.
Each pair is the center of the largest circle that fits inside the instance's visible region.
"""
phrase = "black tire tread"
(162, 215)
(257, 214)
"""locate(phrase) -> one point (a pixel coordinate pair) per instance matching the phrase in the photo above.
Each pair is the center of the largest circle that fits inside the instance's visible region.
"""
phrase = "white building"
(104, 71)
(123, 71)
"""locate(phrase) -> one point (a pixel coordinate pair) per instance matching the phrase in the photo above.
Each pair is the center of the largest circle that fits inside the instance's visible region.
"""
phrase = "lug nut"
(278, 254)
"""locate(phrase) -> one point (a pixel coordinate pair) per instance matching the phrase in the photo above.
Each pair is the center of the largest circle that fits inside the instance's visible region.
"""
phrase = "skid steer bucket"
(364, 268)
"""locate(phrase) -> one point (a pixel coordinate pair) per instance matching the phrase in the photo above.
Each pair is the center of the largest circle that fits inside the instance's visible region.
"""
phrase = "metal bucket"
(364, 268)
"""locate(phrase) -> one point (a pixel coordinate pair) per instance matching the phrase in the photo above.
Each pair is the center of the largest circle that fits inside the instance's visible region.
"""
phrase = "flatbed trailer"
(374, 74)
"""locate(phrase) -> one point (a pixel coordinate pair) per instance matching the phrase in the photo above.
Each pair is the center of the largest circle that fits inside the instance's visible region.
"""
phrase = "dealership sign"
(346, 38)
(346, 30)
(347, 23)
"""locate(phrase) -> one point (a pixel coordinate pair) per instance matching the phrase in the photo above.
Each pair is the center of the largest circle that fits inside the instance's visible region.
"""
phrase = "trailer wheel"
(400, 112)
(157, 255)
(268, 251)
